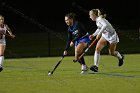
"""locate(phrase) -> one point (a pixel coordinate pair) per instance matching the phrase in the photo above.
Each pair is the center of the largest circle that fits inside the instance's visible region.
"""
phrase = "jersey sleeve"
(103, 27)
(96, 32)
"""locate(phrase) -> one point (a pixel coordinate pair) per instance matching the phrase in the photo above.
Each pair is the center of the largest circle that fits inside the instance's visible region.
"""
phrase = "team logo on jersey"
(75, 33)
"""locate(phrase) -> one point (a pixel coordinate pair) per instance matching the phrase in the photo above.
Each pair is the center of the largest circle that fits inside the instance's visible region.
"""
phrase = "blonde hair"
(97, 12)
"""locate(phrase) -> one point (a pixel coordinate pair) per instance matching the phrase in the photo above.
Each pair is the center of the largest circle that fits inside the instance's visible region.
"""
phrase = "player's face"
(1, 20)
(68, 21)
(92, 16)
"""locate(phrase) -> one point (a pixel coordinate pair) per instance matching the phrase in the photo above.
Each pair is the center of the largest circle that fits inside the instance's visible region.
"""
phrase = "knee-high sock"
(1, 60)
(118, 55)
(96, 58)
(82, 61)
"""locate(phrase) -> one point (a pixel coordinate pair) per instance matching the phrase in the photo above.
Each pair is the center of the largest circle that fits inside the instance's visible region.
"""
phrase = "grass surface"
(29, 75)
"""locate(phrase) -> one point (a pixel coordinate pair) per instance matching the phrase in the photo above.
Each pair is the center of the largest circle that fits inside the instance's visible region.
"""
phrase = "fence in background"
(46, 45)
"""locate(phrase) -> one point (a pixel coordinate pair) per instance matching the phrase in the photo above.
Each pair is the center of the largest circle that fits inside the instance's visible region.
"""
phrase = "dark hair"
(71, 16)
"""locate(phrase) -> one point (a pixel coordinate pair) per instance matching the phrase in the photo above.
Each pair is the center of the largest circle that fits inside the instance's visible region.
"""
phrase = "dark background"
(124, 14)
(41, 31)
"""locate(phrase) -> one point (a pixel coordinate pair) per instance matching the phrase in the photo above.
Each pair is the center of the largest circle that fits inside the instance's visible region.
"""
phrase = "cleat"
(94, 68)
(121, 61)
(1, 68)
(84, 72)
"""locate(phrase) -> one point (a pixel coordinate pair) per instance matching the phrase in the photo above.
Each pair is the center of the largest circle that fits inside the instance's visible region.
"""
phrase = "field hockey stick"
(93, 42)
(58, 63)
(51, 72)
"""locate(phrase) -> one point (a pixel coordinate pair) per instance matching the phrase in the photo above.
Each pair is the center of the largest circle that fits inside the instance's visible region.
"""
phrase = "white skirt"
(2, 41)
(111, 38)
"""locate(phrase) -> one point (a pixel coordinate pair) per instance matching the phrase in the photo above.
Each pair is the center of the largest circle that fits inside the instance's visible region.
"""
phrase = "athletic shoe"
(84, 72)
(121, 61)
(84, 69)
(94, 68)
(1, 68)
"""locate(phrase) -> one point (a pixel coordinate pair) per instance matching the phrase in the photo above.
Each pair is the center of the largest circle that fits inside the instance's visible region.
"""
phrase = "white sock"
(1, 60)
(119, 55)
(96, 58)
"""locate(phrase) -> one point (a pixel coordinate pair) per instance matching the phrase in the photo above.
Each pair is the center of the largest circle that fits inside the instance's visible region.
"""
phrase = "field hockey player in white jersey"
(4, 29)
(105, 34)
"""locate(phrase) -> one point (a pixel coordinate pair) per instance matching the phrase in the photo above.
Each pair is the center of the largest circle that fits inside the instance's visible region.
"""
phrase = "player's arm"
(9, 31)
(103, 27)
(68, 43)
(99, 30)
(96, 32)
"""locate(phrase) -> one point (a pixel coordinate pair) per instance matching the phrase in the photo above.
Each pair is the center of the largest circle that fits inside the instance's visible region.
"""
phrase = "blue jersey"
(77, 33)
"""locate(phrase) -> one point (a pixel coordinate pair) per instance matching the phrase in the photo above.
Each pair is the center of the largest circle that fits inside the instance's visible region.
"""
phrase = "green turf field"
(29, 75)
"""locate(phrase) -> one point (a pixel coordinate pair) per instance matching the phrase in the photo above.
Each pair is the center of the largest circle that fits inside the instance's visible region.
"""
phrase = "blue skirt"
(83, 39)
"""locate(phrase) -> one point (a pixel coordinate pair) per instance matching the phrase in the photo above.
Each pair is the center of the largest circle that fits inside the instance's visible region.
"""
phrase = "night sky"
(50, 13)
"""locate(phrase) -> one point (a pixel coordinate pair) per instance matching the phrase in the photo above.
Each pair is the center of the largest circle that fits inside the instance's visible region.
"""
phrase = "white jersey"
(2, 37)
(106, 29)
